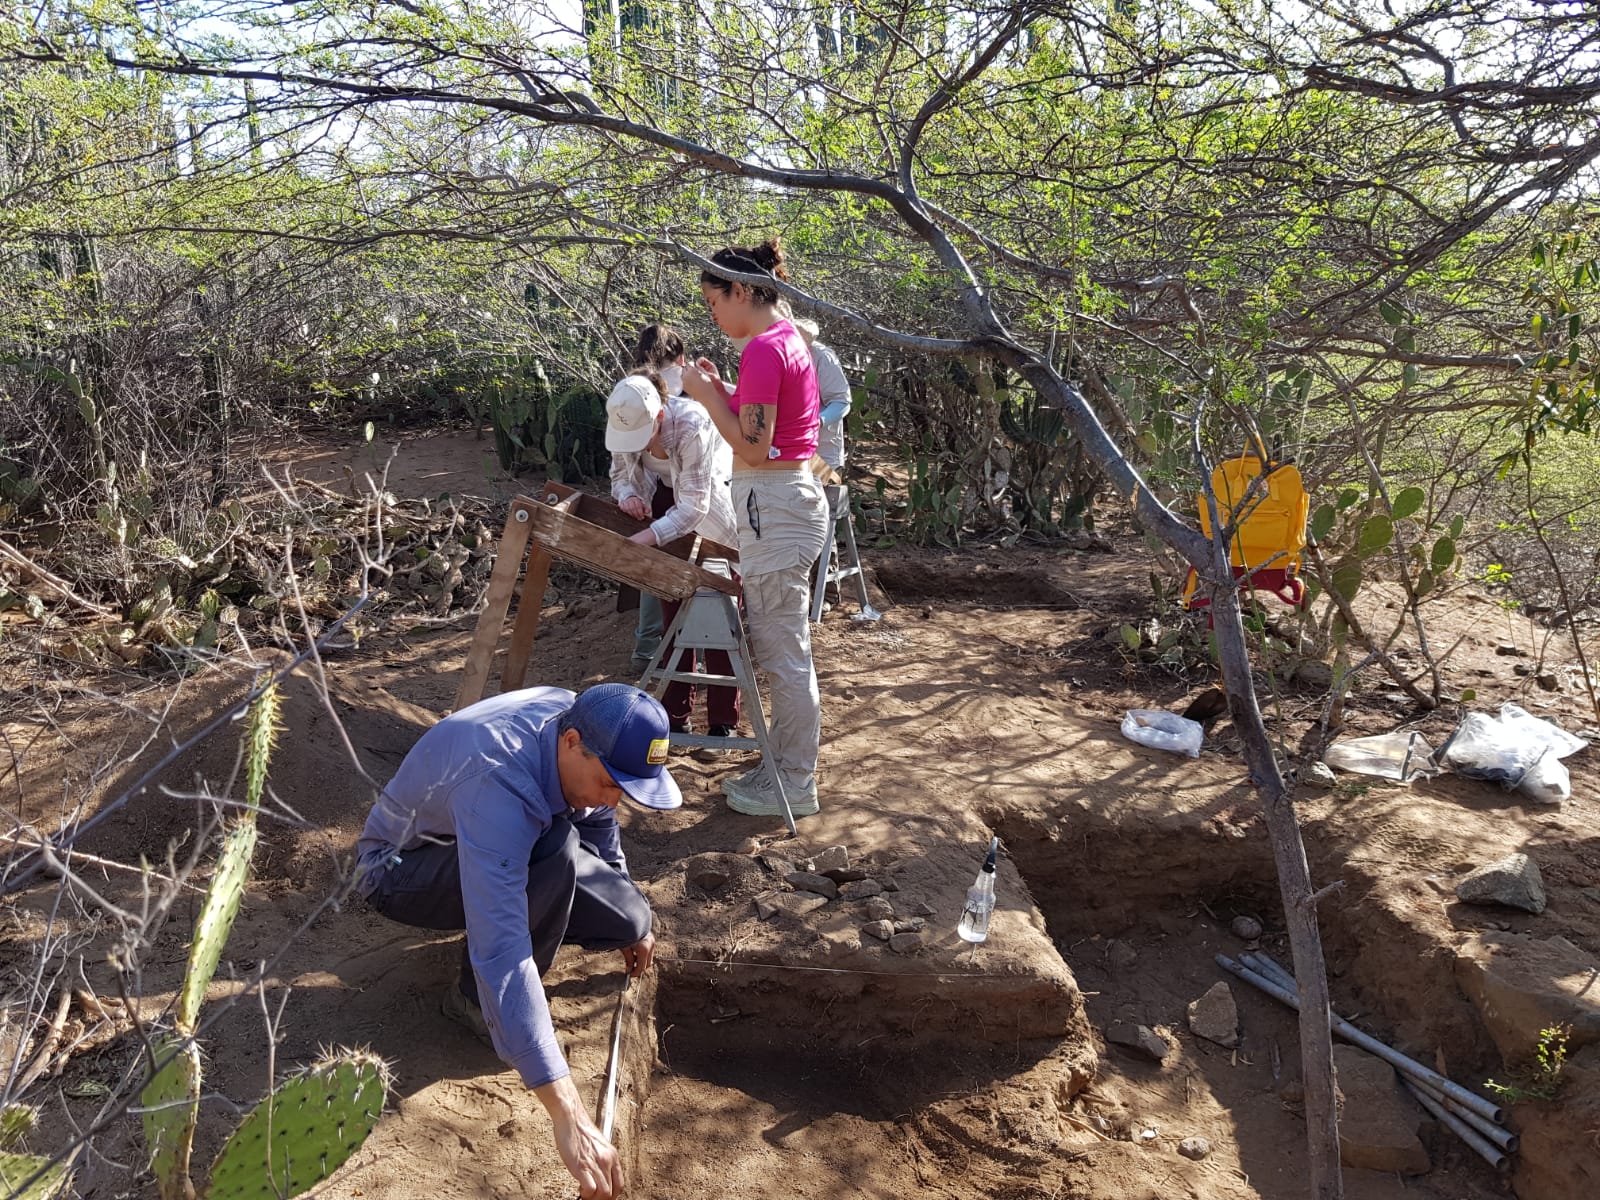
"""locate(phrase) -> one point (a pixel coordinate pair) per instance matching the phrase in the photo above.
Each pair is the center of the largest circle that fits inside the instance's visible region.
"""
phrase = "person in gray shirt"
(502, 821)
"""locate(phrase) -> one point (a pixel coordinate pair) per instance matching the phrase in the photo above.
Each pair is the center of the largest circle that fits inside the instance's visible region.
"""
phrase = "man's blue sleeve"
(599, 830)
(497, 823)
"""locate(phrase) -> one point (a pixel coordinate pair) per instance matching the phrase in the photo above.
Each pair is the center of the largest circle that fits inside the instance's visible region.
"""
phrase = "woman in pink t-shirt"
(771, 421)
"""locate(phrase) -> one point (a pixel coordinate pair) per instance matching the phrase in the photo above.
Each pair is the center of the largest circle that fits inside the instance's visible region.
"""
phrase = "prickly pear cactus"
(304, 1131)
(260, 736)
(171, 1101)
(16, 1169)
(216, 921)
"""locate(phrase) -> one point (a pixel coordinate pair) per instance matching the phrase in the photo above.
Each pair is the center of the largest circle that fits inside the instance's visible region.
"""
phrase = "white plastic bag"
(1547, 781)
(1163, 731)
(1518, 750)
(1402, 756)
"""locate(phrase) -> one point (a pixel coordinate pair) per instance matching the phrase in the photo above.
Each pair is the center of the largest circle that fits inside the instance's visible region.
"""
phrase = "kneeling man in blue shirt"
(502, 821)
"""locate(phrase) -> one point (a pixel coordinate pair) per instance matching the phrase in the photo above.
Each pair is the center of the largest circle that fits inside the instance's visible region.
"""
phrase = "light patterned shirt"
(702, 465)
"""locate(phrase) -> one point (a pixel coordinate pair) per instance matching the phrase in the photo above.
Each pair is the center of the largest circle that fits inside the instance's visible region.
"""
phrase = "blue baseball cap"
(628, 730)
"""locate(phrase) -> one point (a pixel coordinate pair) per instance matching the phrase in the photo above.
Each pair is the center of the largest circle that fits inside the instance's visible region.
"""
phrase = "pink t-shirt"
(776, 368)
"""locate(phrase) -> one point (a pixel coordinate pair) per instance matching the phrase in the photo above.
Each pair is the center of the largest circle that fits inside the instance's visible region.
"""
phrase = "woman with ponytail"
(771, 421)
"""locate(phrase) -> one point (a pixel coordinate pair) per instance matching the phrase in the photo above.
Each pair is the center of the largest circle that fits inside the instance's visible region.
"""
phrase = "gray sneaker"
(760, 799)
(465, 1013)
(746, 779)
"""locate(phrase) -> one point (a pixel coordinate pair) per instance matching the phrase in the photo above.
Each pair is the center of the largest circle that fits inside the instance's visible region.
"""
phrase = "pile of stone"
(829, 878)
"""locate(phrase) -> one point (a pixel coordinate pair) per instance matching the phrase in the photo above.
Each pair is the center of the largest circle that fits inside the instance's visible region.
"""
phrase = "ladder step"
(692, 677)
(706, 741)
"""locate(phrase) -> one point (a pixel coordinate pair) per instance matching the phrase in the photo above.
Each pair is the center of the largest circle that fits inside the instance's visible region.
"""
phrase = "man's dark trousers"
(573, 897)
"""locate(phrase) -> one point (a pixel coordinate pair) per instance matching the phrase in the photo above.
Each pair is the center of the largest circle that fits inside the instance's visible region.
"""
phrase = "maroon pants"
(722, 703)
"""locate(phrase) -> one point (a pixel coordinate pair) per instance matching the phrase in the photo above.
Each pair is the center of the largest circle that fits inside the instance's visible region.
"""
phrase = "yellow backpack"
(1270, 536)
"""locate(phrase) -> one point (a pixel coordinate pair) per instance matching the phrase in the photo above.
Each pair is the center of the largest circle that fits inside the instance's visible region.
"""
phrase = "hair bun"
(770, 255)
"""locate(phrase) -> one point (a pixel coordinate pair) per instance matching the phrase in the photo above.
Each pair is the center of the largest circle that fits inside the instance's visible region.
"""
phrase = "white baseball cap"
(631, 414)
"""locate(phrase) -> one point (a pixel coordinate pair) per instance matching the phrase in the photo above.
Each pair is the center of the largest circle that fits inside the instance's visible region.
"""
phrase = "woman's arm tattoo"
(752, 420)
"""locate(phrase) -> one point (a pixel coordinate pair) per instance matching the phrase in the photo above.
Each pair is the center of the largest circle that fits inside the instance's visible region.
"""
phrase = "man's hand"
(588, 1156)
(637, 959)
(645, 537)
(635, 508)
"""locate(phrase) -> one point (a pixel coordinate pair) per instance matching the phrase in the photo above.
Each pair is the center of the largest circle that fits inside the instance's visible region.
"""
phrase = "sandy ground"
(795, 1057)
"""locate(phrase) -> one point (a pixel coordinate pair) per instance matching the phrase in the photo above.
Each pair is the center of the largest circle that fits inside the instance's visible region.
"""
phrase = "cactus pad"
(211, 930)
(304, 1131)
(171, 1101)
(16, 1169)
(260, 735)
(17, 1121)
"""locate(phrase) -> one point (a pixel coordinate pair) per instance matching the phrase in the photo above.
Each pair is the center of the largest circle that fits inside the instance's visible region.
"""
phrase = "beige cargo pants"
(783, 522)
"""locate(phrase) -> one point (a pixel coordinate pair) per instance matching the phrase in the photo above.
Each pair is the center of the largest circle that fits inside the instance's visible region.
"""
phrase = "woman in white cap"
(771, 421)
(665, 443)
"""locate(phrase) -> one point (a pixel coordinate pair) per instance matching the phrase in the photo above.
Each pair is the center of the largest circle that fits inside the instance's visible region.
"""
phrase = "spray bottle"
(974, 926)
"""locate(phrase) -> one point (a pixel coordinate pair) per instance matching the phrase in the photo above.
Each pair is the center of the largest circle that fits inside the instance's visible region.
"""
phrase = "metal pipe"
(1504, 1138)
(1490, 1153)
(1441, 1085)
(607, 1115)
(1366, 1041)
(1267, 969)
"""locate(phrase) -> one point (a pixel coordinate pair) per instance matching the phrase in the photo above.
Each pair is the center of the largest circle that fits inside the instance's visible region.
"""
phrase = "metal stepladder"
(839, 517)
(710, 620)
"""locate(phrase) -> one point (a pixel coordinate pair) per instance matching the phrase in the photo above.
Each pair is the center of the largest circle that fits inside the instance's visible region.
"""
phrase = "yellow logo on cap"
(658, 752)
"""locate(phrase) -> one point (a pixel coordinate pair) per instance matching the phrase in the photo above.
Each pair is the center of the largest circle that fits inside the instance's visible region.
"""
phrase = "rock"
(861, 889)
(1590, 893)
(877, 909)
(1194, 1147)
(1215, 1017)
(910, 925)
(844, 874)
(890, 885)
(905, 943)
(1548, 682)
(1141, 1040)
(778, 866)
(1314, 674)
(1514, 881)
(834, 858)
(750, 846)
(806, 882)
(1522, 985)
(1377, 1122)
(924, 909)
(1521, 669)
(1319, 775)
(795, 904)
(1120, 956)
(1508, 650)
(882, 930)
(1245, 928)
